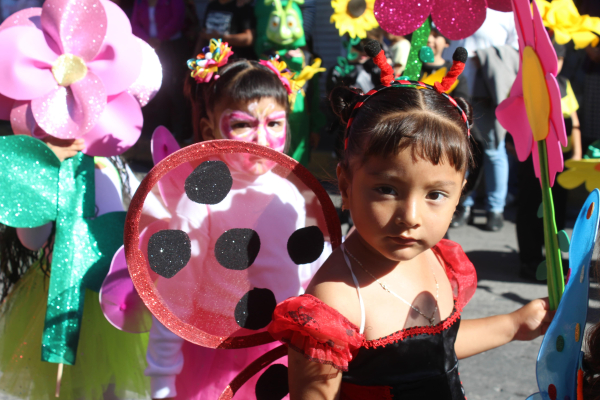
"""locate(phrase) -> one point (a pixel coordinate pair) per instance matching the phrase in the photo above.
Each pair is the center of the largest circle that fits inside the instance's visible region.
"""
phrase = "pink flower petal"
(79, 26)
(163, 144)
(6, 105)
(523, 24)
(21, 118)
(500, 5)
(120, 302)
(556, 115)
(555, 155)
(517, 87)
(117, 130)
(458, 19)
(27, 17)
(512, 116)
(401, 17)
(118, 62)
(543, 47)
(150, 79)
(71, 112)
(171, 186)
(25, 62)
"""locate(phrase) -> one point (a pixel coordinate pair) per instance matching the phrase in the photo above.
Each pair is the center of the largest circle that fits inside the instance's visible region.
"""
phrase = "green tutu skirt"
(109, 362)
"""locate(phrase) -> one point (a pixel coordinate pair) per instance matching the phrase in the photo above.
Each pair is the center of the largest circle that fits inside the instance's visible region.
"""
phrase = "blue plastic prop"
(559, 356)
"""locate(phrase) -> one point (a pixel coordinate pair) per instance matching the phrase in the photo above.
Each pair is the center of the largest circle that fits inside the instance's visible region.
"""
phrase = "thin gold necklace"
(387, 289)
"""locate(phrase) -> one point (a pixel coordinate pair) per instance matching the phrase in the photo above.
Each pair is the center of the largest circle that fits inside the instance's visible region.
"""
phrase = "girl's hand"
(532, 320)
(64, 148)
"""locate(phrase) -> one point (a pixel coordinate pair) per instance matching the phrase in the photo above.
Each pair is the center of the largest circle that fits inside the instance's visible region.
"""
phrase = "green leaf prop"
(417, 42)
(36, 189)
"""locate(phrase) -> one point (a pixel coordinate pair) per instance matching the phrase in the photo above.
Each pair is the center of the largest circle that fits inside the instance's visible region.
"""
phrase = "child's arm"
(312, 380)
(478, 335)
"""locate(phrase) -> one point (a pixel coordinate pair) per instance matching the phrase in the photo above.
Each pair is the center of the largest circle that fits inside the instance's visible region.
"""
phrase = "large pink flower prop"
(455, 19)
(68, 68)
(533, 110)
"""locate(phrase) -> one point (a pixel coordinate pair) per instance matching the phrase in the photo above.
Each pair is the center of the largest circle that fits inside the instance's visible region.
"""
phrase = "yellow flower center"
(535, 94)
(68, 69)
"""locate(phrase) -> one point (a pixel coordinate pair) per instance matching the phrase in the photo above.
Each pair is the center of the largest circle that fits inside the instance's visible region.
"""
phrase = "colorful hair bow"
(206, 65)
(280, 68)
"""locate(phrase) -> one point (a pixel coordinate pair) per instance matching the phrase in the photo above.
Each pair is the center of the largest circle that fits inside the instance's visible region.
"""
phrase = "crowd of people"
(412, 161)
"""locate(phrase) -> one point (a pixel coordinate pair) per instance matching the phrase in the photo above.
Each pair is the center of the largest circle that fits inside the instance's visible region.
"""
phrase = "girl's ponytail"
(466, 107)
(343, 99)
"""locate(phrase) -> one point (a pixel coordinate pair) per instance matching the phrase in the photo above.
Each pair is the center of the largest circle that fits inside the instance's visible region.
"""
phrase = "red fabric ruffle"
(414, 331)
(459, 269)
(316, 330)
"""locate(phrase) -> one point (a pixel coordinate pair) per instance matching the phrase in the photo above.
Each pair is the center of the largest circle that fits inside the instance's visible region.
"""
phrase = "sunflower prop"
(354, 17)
(563, 18)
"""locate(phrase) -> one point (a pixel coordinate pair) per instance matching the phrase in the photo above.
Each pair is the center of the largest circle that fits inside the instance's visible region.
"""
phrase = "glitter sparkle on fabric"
(419, 39)
(36, 189)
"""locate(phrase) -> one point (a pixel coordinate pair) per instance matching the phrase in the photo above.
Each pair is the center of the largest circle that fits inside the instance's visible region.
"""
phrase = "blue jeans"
(495, 168)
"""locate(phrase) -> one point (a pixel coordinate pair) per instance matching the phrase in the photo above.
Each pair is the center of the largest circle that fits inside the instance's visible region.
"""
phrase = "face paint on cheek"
(276, 135)
(230, 118)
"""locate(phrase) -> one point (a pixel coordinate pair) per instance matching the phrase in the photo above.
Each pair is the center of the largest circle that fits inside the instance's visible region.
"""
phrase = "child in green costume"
(279, 31)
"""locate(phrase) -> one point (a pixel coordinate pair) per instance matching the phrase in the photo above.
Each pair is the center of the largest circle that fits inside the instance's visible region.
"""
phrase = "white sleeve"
(165, 360)
(34, 238)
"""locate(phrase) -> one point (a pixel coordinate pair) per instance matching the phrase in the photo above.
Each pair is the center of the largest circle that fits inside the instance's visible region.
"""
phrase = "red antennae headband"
(373, 50)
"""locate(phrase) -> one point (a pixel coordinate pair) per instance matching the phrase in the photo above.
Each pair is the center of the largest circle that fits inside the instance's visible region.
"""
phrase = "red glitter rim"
(137, 262)
(251, 370)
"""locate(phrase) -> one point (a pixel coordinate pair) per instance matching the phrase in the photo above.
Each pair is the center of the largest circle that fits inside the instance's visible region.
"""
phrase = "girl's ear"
(343, 184)
(206, 129)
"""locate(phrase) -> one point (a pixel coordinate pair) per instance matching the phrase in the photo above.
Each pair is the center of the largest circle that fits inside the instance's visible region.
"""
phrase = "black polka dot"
(273, 383)
(306, 245)
(168, 252)
(237, 248)
(255, 310)
(209, 183)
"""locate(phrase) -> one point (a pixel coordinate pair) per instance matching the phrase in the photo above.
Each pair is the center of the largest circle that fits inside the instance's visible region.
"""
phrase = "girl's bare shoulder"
(334, 286)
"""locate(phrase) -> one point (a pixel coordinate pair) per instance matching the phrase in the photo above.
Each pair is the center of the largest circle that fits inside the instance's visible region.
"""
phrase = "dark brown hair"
(398, 118)
(239, 81)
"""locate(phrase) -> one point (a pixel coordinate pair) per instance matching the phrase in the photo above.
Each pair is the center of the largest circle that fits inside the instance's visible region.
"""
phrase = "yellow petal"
(535, 94)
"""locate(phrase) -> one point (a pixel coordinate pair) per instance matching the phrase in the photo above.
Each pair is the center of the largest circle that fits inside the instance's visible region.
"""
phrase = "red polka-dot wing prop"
(248, 228)
(560, 357)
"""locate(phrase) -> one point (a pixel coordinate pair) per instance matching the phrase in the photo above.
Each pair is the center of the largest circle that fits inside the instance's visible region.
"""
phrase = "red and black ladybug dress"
(413, 363)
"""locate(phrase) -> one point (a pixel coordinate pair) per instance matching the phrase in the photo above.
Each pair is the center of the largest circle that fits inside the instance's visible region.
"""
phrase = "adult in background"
(233, 21)
(490, 72)
(590, 121)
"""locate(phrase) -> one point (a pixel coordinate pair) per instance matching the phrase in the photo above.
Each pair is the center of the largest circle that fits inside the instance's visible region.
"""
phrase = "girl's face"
(262, 121)
(401, 206)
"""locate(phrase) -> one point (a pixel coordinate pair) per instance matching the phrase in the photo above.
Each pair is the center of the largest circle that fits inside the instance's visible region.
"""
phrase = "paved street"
(507, 372)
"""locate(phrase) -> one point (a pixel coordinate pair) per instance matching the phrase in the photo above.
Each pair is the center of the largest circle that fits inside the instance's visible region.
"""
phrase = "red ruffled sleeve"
(316, 330)
(460, 270)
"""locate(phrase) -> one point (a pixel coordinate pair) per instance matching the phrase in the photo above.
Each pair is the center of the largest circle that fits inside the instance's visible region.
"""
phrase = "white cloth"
(165, 360)
(399, 52)
(498, 29)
